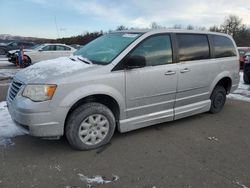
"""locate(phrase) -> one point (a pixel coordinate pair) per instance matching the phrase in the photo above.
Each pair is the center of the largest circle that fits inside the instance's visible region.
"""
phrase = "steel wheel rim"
(93, 129)
(219, 100)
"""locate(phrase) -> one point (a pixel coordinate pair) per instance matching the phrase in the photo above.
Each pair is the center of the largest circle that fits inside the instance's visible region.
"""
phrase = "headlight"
(39, 93)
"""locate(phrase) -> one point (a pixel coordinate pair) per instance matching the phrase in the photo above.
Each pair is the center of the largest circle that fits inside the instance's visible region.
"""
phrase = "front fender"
(97, 89)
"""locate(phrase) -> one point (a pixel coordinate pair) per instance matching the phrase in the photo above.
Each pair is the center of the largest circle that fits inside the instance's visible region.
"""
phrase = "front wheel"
(26, 61)
(90, 126)
(218, 99)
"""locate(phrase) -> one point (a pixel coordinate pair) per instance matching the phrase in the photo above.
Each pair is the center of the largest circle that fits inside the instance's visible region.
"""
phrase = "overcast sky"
(53, 18)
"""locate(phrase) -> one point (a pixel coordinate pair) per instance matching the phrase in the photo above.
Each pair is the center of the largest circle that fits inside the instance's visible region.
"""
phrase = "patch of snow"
(238, 183)
(238, 97)
(242, 92)
(90, 181)
(212, 138)
(8, 128)
(8, 73)
(5, 63)
(53, 67)
(3, 58)
(4, 84)
(57, 167)
(6, 142)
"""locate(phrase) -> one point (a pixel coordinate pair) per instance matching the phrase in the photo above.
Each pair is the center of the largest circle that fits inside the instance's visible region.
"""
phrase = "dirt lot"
(201, 151)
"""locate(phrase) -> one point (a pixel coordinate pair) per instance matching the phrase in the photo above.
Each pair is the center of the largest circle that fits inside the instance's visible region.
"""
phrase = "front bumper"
(12, 58)
(37, 118)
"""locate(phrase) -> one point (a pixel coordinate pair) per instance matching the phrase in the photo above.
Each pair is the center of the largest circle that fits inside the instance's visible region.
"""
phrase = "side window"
(49, 48)
(223, 46)
(157, 50)
(60, 48)
(13, 44)
(67, 48)
(20, 44)
(193, 47)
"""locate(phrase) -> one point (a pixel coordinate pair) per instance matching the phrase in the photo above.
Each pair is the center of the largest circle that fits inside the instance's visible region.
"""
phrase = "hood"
(4, 44)
(24, 50)
(52, 69)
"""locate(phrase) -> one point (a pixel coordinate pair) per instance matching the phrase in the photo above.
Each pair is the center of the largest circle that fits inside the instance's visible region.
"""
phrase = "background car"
(43, 52)
(246, 71)
(242, 52)
(15, 46)
(76, 46)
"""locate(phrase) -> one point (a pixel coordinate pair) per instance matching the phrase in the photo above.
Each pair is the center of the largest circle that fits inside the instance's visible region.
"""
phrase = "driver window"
(49, 48)
(157, 50)
(14, 44)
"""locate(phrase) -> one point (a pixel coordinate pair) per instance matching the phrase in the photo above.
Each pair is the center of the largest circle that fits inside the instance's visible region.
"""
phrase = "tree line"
(232, 25)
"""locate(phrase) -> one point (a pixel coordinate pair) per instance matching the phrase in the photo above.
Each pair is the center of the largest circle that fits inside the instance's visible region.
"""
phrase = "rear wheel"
(246, 78)
(218, 99)
(90, 126)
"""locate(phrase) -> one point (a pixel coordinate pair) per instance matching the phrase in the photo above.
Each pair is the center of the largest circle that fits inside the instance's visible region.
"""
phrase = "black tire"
(2, 51)
(27, 61)
(246, 78)
(79, 116)
(218, 99)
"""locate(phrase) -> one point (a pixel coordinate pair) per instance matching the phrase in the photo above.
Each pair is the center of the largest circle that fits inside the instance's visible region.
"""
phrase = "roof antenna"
(57, 27)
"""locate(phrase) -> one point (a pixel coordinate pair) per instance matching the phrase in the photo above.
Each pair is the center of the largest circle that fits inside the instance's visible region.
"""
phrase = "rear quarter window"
(223, 46)
(193, 47)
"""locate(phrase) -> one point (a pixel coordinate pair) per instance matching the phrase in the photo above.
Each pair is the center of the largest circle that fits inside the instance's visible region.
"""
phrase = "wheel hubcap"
(93, 129)
(219, 100)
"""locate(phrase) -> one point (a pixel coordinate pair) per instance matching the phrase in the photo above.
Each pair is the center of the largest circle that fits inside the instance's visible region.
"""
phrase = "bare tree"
(154, 25)
(177, 26)
(215, 28)
(121, 27)
(202, 28)
(232, 25)
(190, 27)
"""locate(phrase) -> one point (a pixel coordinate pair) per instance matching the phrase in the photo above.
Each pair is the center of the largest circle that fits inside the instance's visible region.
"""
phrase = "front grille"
(14, 89)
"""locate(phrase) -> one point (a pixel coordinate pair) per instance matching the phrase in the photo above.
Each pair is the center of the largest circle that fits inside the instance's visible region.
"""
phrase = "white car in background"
(46, 52)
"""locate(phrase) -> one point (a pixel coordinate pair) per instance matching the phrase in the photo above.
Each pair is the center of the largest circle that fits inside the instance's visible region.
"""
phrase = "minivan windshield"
(105, 48)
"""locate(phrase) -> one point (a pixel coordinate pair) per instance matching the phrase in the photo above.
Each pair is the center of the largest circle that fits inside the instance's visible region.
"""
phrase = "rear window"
(193, 47)
(223, 46)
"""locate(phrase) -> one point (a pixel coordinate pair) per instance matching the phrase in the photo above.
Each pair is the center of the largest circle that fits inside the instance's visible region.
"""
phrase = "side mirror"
(40, 50)
(133, 62)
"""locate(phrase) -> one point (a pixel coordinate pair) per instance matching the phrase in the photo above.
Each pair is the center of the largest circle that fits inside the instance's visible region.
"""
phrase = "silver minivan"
(124, 80)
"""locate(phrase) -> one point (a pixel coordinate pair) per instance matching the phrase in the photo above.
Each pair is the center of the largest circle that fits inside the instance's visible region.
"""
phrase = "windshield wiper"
(84, 59)
(80, 58)
(72, 59)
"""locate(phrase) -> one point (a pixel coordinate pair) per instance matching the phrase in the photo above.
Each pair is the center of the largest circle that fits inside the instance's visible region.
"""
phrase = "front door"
(151, 90)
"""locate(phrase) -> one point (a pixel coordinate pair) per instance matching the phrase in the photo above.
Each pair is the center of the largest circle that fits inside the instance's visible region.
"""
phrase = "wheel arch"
(225, 80)
(28, 57)
(104, 99)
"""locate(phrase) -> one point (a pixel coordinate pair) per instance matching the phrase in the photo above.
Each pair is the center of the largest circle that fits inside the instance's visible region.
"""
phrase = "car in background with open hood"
(43, 52)
(15, 45)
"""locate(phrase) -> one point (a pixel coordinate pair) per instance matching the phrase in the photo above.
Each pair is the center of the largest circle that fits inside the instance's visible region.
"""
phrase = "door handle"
(185, 70)
(170, 72)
